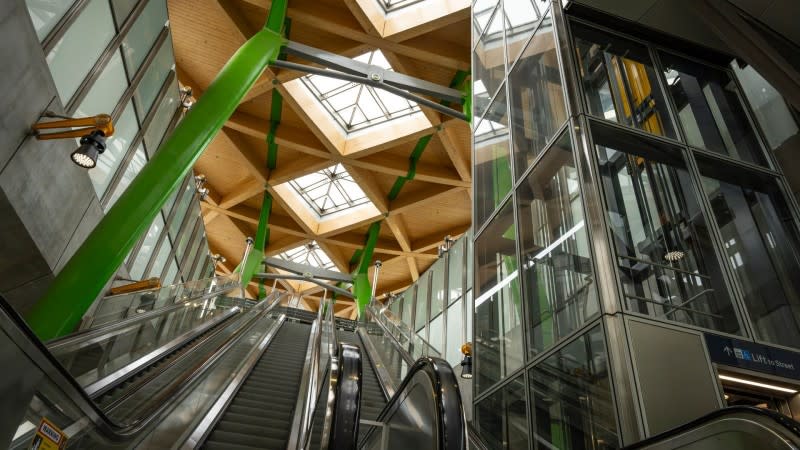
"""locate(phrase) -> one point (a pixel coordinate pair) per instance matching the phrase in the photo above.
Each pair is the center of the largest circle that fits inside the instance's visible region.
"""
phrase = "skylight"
(393, 5)
(308, 254)
(355, 106)
(329, 190)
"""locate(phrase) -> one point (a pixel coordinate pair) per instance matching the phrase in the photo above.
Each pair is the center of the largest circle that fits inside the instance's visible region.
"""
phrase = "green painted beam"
(362, 291)
(276, 109)
(84, 276)
(262, 237)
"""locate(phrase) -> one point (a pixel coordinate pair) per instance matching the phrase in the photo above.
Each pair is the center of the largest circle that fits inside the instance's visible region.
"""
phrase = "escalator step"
(260, 415)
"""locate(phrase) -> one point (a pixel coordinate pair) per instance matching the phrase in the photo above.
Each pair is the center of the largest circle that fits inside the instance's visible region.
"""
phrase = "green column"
(84, 276)
(362, 290)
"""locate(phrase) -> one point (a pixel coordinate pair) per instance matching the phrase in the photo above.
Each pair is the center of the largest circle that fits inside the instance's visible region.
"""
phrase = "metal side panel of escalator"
(732, 428)
(260, 414)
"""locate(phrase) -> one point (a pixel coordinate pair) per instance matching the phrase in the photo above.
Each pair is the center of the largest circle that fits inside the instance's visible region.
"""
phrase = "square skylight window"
(329, 191)
(355, 106)
(309, 254)
(394, 5)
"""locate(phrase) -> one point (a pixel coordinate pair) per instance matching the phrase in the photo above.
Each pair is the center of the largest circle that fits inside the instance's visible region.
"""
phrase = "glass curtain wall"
(447, 325)
(535, 295)
(688, 207)
(126, 68)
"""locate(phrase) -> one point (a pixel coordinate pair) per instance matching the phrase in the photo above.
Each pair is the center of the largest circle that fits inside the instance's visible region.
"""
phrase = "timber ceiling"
(429, 40)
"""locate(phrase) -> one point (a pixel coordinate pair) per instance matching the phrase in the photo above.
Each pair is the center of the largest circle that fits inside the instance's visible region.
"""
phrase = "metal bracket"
(340, 67)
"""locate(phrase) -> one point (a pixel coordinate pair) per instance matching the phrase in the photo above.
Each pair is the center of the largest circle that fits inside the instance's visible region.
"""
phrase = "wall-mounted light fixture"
(199, 183)
(448, 244)
(218, 259)
(466, 363)
(187, 101)
(93, 132)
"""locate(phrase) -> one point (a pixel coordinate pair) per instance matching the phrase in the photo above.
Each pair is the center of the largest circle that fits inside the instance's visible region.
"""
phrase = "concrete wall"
(47, 204)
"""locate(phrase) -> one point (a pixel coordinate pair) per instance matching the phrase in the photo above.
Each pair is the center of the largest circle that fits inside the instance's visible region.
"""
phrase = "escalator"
(373, 396)
(200, 375)
(260, 414)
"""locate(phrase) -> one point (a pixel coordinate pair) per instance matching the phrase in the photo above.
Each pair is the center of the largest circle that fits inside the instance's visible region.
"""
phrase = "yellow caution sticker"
(48, 437)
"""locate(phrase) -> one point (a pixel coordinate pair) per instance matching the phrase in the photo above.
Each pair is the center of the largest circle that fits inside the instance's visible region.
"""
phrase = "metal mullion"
(63, 25)
(199, 256)
(166, 236)
(608, 284)
(113, 46)
(141, 71)
(138, 139)
(167, 220)
(559, 133)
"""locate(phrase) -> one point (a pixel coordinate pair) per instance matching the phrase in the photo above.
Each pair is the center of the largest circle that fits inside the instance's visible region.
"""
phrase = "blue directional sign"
(749, 355)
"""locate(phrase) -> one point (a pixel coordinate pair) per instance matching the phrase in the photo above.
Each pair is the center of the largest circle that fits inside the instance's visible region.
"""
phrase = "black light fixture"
(466, 367)
(92, 145)
(92, 132)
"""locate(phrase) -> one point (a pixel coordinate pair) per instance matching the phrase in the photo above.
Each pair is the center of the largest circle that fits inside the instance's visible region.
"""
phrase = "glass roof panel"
(355, 106)
(394, 5)
(309, 254)
(329, 190)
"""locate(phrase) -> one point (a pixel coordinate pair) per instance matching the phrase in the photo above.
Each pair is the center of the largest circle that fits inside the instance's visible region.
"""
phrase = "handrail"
(16, 328)
(307, 394)
(451, 425)
(786, 422)
(343, 408)
(409, 334)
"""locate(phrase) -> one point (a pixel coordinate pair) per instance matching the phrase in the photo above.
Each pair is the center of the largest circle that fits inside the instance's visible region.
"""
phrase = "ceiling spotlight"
(675, 255)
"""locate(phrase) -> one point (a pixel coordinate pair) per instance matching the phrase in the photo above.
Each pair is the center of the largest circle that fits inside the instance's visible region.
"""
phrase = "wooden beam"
(415, 199)
(458, 156)
(331, 20)
(367, 182)
(241, 192)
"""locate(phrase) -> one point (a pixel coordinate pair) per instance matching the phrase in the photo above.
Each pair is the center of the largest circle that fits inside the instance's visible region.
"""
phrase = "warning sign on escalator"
(48, 437)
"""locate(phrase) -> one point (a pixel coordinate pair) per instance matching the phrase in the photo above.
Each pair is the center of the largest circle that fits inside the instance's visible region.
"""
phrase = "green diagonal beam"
(362, 291)
(84, 276)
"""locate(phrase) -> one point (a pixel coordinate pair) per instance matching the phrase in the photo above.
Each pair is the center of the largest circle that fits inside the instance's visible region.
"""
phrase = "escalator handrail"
(451, 424)
(91, 335)
(17, 329)
(786, 422)
(343, 408)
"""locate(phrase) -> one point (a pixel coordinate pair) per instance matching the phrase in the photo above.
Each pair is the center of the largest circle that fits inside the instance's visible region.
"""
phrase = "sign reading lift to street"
(749, 355)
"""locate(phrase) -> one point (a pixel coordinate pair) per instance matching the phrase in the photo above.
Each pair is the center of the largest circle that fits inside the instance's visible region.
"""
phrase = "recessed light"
(758, 384)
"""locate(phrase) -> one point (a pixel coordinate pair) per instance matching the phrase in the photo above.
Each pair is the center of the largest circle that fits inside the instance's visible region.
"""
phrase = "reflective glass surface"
(45, 14)
(160, 260)
(502, 418)
(665, 257)
(437, 287)
(153, 79)
(408, 305)
(771, 111)
(536, 97)
(454, 330)
(761, 246)
(165, 112)
(498, 342)
(488, 64)
(556, 263)
(181, 207)
(143, 33)
(710, 110)
(125, 129)
(482, 12)
(146, 250)
(619, 81)
(134, 167)
(521, 17)
(75, 53)
(106, 90)
(492, 162)
(571, 393)
(456, 272)
(421, 315)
